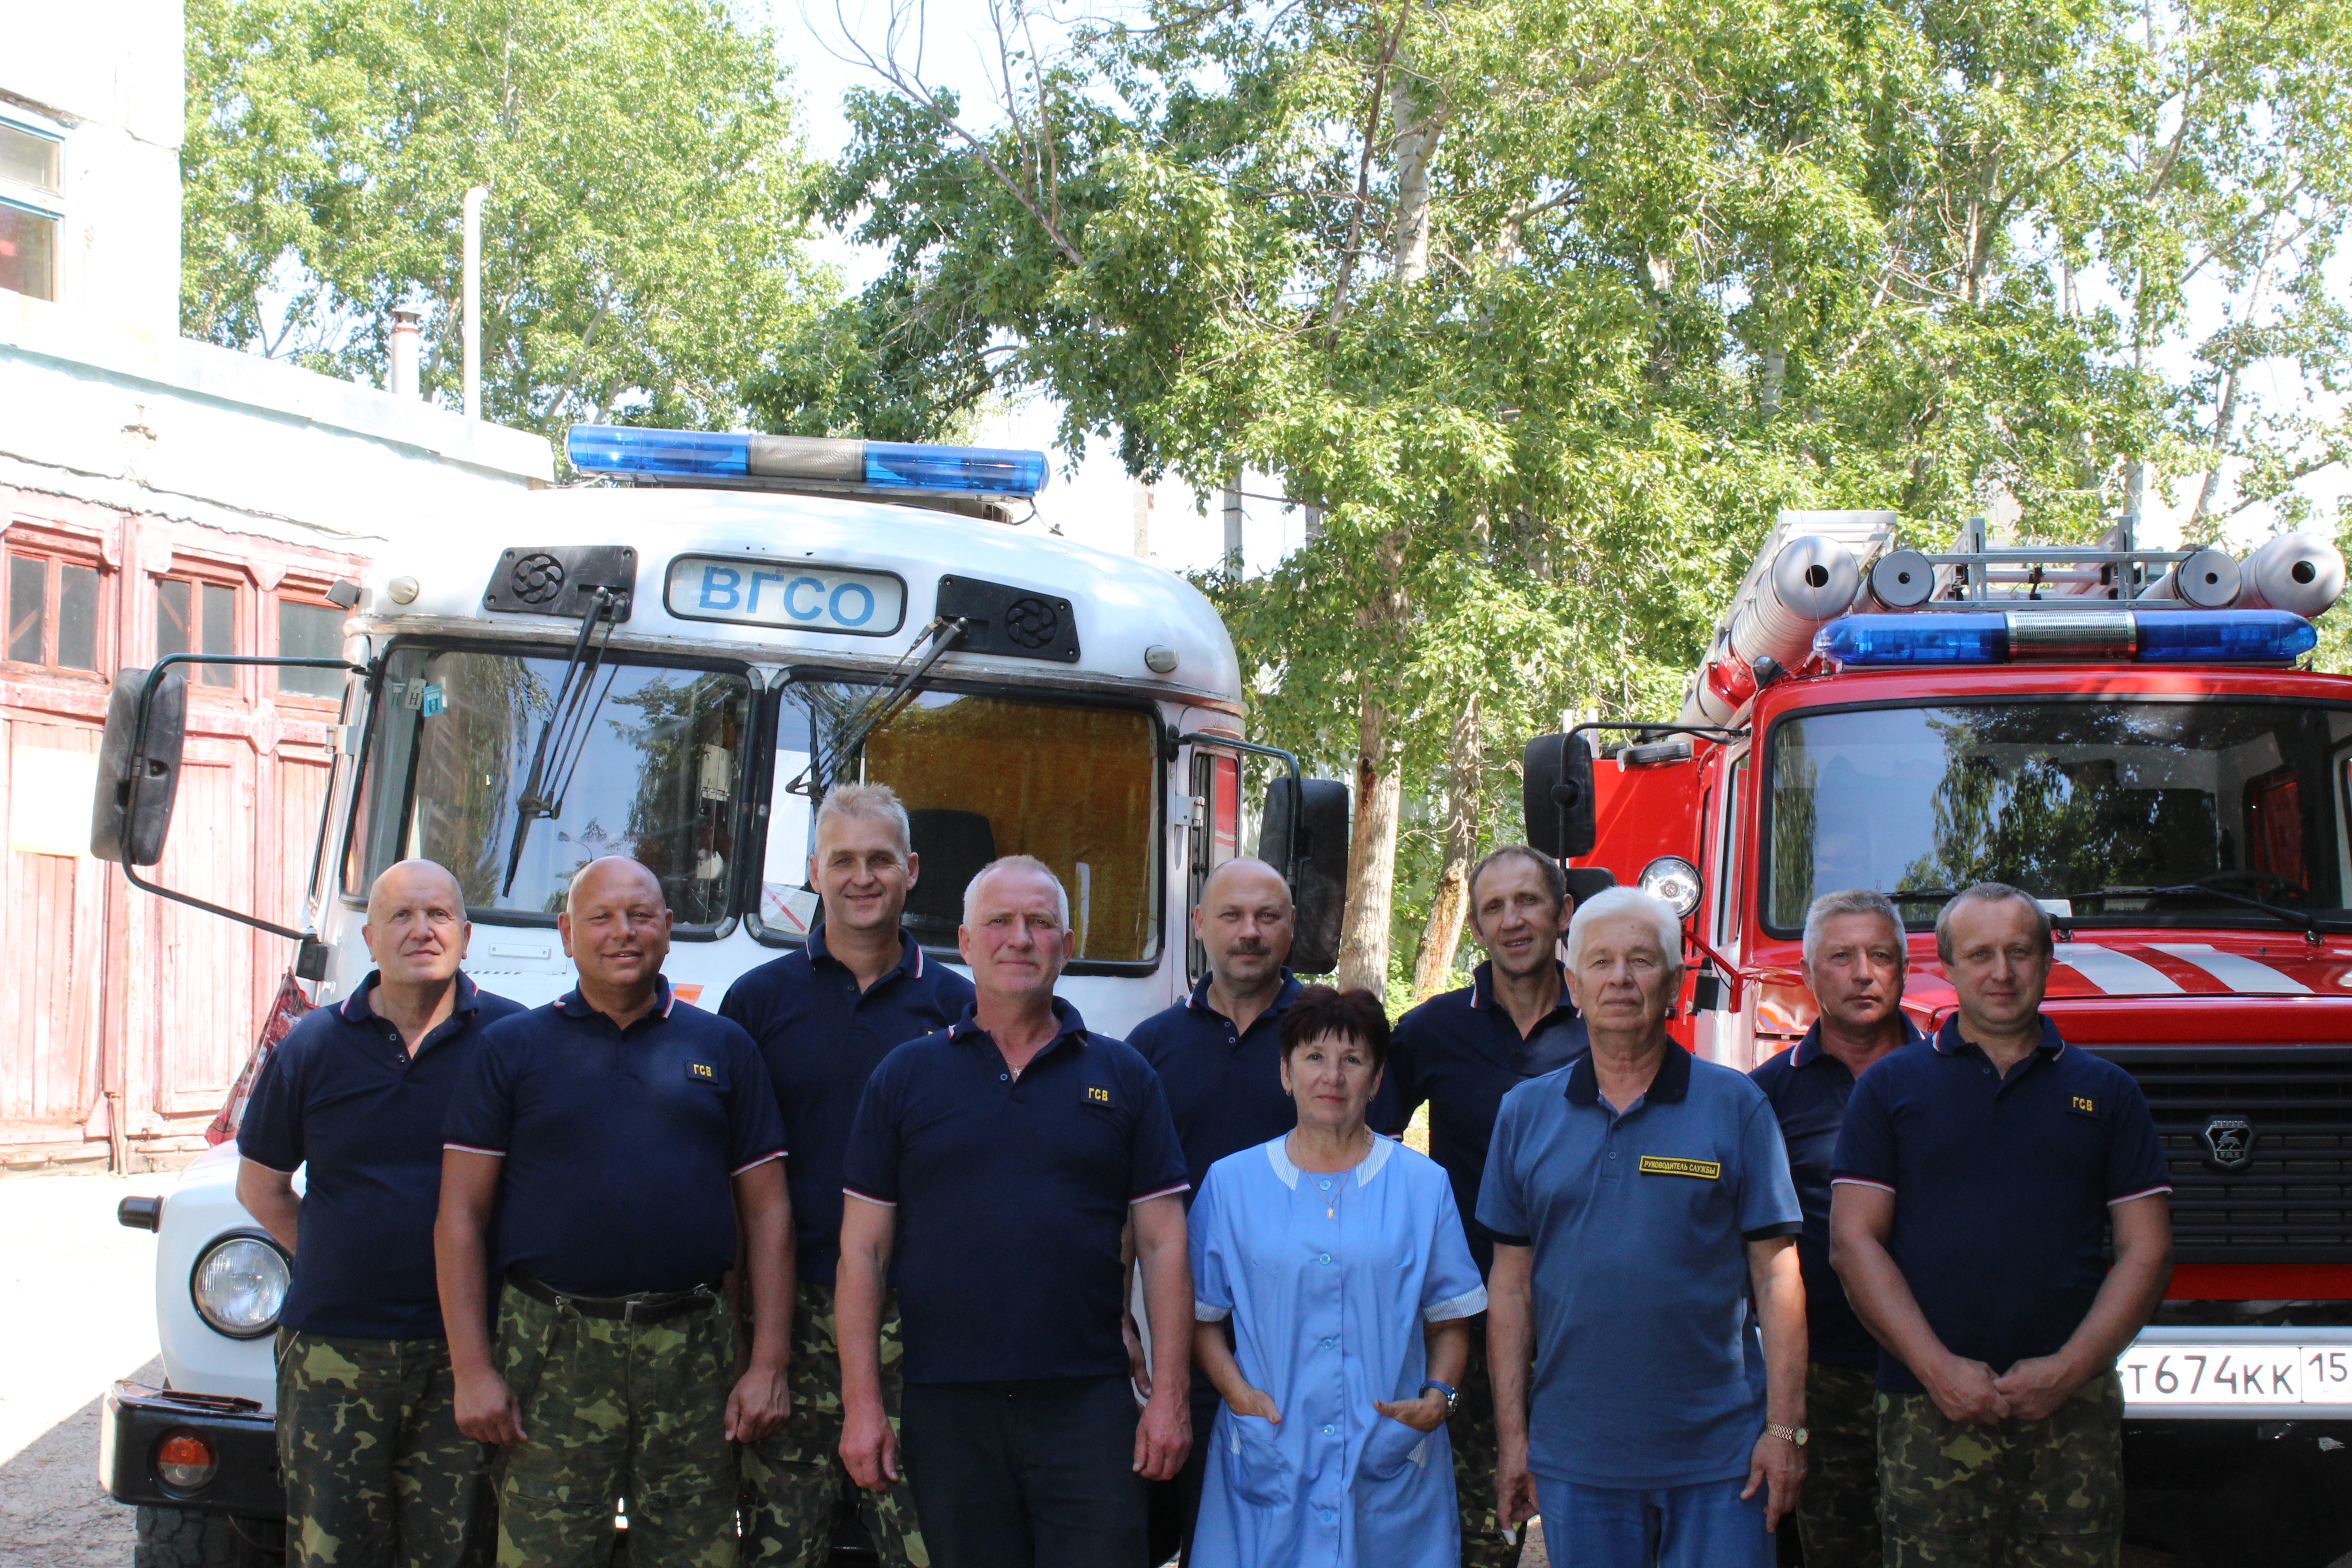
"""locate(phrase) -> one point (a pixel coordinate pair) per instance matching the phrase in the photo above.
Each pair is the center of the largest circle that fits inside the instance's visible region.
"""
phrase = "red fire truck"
(2129, 736)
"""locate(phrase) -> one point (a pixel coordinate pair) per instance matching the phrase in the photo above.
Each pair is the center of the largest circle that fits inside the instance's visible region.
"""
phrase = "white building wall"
(108, 76)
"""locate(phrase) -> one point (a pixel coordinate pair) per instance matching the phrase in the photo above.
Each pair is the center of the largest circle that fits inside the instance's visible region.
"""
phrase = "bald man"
(376, 1470)
(1219, 1056)
(622, 1138)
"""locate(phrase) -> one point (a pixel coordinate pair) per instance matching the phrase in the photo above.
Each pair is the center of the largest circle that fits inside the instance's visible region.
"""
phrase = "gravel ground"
(77, 1311)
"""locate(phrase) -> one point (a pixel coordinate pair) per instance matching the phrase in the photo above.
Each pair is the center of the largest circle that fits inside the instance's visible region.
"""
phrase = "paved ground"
(77, 1311)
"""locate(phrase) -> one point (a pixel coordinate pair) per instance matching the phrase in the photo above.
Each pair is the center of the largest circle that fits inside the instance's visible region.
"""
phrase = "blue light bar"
(2225, 637)
(2096, 635)
(992, 470)
(1962, 638)
(806, 461)
(684, 454)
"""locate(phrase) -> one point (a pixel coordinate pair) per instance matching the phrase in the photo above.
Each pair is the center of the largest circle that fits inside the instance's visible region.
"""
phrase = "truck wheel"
(189, 1538)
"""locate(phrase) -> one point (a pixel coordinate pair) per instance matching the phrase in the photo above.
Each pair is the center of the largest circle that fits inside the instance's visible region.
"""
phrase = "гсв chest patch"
(703, 1072)
(1093, 1094)
(1670, 1165)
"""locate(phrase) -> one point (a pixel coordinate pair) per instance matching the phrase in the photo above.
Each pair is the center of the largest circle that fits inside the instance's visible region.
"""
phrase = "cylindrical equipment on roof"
(2301, 573)
(2208, 579)
(1811, 583)
(1901, 579)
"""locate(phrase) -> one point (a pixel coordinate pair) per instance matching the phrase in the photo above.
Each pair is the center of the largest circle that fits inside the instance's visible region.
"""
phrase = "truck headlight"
(239, 1284)
(1674, 881)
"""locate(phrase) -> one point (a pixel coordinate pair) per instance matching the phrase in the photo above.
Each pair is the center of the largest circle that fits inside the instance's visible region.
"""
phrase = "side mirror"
(1556, 796)
(137, 784)
(1311, 818)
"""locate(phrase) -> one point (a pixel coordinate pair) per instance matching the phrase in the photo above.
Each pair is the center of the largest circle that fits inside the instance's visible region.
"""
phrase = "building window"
(196, 616)
(53, 612)
(309, 631)
(30, 178)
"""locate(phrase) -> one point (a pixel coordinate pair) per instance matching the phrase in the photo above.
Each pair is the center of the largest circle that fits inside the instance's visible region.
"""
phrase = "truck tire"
(189, 1538)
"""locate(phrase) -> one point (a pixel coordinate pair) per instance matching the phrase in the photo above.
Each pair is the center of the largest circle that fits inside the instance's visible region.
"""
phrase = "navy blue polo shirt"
(2001, 1186)
(620, 1145)
(1012, 1195)
(1809, 1088)
(1648, 1372)
(1461, 1053)
(341, 1095)
(1224, 1087)
(822, 1039)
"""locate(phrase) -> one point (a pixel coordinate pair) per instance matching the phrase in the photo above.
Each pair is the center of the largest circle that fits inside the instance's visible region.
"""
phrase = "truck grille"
(2291, 1200)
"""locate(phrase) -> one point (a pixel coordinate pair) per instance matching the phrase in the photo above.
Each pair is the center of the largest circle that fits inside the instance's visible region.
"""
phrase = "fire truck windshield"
(2120, 811)
(658, 775)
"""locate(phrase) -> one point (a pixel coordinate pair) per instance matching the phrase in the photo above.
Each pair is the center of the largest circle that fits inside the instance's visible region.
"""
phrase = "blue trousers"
(1027, 1475)
(1701, 1526)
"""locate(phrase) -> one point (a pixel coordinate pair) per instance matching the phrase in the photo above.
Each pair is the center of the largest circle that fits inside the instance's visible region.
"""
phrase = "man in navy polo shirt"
(999, 1162)
(1853, 963)
(824, 1018)
(1977, 1180)
(1461, 1053)
(621, 1139)
(367, 1419)
(1219, 1056)
(1639, 1199)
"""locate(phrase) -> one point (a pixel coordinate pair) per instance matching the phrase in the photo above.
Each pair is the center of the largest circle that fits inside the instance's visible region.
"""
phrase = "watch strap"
(1453, 1394)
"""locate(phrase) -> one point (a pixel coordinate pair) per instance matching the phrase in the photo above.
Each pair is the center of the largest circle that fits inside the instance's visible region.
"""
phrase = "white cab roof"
(1123, 606)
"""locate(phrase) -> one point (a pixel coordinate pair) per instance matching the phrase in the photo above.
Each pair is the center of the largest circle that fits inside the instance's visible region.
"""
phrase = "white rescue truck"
(675, 670)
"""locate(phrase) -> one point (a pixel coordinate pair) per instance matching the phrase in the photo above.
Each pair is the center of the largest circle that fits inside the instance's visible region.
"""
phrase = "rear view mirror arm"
(1288, 760)
(155, 675)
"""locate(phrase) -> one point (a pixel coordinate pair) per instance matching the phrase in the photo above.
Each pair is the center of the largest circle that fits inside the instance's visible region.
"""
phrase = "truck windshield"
(659, 777)
(2130, 812)
(982, 775)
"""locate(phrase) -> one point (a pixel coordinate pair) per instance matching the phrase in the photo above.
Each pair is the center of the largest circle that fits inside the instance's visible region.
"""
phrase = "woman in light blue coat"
(1334, 1293)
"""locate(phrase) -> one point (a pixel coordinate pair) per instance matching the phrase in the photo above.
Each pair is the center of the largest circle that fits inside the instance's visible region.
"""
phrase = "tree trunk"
(1380, 787)
(1465, 779)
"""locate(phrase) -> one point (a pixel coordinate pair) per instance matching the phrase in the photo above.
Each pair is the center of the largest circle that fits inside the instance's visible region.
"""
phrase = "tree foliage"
(642, 240)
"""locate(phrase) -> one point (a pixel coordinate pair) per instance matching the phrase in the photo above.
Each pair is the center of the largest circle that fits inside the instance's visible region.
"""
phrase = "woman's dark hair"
(1321, 1011)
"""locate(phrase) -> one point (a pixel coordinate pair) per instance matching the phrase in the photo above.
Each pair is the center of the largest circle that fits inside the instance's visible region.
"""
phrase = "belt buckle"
(629, 1311)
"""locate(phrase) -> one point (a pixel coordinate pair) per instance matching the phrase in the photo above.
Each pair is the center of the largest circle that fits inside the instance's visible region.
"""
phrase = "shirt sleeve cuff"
(1164, 1192)
(282, 1171)
(755, 1164)
(869, 1198)
(2143, 1193)
(1859, 1182)
(476, 1149)
(1503, 1237)
(1468, 1306)
(1210, 1313)
(1773, 1232)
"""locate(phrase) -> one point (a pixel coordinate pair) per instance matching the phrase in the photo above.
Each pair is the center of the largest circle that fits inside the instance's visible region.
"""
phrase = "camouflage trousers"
(1837, 1513)
(1478, 1450)
(2021, 1494)
(614, 1411)
(793, 1480)
(377, 1474)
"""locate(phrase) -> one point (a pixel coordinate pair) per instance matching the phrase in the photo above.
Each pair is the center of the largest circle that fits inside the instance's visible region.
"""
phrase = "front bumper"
(244, 1440)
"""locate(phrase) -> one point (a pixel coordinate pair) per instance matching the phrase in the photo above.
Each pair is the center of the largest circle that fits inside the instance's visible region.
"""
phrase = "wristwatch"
(1796, 1435)
(1453, 1394)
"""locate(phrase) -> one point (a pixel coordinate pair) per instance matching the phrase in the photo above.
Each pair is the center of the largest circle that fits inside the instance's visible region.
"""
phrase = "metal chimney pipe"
(474, 196)
(404, 353)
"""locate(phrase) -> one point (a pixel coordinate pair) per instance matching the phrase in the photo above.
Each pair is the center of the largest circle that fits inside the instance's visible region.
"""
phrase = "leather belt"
(653, 1307)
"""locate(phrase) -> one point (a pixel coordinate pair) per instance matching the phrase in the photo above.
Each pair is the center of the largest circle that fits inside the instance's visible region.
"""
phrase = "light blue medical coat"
(1327, 1281)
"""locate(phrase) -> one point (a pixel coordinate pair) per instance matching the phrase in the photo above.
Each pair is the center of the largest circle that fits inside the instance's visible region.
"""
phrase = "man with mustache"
(621, 1137)
(1219, 1055)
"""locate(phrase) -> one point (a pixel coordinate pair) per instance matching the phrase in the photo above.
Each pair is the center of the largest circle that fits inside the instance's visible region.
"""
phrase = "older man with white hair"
(999, 1163)
(1638, 1197)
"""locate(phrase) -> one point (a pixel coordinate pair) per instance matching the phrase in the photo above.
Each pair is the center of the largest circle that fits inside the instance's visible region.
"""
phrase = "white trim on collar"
(1277, 1154)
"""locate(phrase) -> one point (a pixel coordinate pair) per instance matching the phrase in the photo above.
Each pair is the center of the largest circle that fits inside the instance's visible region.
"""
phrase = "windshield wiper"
(1922, 894)
(569, 717)
(942, 633)
(2307, 921)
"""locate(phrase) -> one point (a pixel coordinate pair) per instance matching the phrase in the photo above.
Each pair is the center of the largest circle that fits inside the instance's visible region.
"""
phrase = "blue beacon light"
(2152, 636)
(879, 466)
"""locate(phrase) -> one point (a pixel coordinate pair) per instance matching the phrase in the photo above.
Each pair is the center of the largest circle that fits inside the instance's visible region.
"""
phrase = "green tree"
(643, 250)
(1551, 307)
